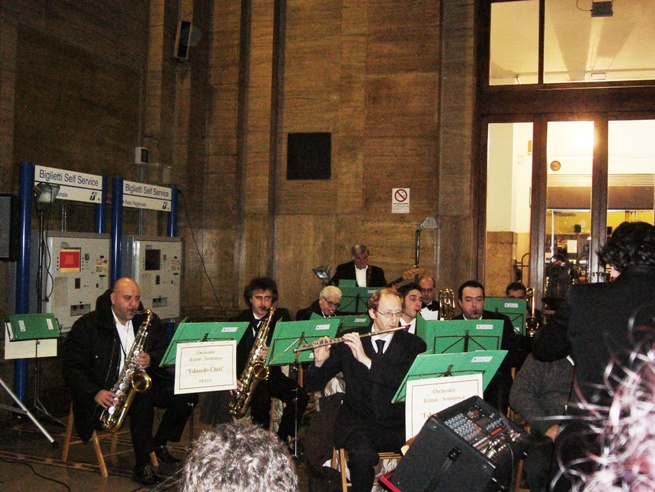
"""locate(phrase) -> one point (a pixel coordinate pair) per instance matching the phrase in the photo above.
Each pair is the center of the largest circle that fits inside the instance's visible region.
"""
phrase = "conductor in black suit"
(594, 322)
(261, 294)
(358, 269)
(470, 297)
(373, 369)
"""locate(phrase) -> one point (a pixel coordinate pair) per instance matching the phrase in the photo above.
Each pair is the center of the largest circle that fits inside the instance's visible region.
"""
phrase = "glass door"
(545, 220)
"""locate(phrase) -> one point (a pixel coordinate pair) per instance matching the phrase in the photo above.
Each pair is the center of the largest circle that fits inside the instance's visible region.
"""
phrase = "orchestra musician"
(260, 294)
(94, 354)
(358, 269)
(412, 303)
(429, 293)
(325, 306)
(470, 297)
(373, 369)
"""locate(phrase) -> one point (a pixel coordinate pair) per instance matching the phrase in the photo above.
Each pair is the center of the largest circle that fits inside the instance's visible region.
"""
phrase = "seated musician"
(373, 369)
(471, 301)
(412, 304)
(97, 349)
(358, 269)
(429, 293)
(261, 294)
(326, 305)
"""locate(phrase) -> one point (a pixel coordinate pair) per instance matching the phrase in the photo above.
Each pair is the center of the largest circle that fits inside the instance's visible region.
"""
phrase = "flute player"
(373, 369)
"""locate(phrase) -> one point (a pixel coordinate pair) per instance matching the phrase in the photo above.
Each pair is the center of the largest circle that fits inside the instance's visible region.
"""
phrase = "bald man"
(94, 355)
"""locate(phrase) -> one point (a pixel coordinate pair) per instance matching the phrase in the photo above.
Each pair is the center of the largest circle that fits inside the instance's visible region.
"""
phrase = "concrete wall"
(82, 83)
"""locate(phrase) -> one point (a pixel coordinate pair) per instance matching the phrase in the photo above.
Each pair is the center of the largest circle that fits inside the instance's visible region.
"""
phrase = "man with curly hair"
(593, 324)
(238, 457)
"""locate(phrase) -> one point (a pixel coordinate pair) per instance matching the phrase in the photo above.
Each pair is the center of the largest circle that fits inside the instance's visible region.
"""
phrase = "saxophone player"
(95, 352)
(260, 296)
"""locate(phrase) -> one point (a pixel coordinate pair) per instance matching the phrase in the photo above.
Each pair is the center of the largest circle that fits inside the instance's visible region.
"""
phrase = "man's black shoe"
(164, 456)
(146, 475)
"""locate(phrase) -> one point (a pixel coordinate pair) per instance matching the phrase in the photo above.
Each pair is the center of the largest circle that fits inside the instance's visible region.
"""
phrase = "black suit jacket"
(374, 275)
(433, 306)
(593, 322)
(306, 313)
(367, 401)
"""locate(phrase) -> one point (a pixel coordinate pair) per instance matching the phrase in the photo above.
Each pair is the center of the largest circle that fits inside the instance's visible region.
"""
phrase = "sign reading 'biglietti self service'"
(142, 195)
(74, 186)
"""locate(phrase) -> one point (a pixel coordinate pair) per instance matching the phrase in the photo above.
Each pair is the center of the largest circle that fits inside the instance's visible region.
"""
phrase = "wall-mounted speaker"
(183, 40)
(9, 227)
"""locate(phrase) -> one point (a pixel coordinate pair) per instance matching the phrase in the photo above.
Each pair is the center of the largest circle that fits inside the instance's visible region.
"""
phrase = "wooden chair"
(96, 438)
(342, 456)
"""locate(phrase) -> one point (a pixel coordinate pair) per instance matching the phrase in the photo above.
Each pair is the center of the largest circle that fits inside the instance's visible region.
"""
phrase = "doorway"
(555, 189)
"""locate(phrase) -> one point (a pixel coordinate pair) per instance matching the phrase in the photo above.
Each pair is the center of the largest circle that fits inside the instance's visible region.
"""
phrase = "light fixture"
(45, 193)
(428, 223)
(322, 272)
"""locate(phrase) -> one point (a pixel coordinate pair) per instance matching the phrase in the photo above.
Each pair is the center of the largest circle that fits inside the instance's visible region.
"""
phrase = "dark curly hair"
(632, 243)
(260, 283)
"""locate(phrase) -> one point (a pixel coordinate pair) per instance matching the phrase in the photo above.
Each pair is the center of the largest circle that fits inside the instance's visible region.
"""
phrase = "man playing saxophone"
(96, 350)
(260, 295)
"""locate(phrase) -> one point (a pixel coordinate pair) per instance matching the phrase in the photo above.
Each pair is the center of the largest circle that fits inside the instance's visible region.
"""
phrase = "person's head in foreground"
(626, 461)
(238, 458)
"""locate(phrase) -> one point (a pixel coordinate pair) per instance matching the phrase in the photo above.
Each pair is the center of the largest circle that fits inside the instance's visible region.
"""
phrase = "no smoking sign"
(400, 200)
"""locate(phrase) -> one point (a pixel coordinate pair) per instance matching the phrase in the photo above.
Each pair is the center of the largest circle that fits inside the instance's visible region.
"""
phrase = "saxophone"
(446, 304)
(532, 324)
(253, 372)
(130, 382)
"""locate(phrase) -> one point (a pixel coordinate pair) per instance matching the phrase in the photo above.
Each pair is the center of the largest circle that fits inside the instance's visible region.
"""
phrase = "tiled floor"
(28, 462)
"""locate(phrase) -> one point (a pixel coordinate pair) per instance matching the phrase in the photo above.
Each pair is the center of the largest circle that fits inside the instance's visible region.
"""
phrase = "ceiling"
(577, 46)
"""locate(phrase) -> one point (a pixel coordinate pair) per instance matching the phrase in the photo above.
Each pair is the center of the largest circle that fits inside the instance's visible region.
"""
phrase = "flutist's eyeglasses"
(333, 305)
(389, 314)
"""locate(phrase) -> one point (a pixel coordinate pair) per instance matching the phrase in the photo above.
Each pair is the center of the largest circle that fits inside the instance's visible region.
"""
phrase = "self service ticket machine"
(74, 273)
(155, 263)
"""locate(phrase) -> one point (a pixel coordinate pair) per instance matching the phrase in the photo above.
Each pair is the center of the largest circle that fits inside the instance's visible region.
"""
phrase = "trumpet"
(325, 343)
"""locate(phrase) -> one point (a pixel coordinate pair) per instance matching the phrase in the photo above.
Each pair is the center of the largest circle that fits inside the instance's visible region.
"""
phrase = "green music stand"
(203, 332)
(28, 331)
(350, 322)
(36, 326)
(354, 299)
(454, 336)
(515, 309)
(428, 366)
(289, 335)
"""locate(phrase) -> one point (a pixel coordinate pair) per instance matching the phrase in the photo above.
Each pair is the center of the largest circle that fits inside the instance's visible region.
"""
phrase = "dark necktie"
(380, 344)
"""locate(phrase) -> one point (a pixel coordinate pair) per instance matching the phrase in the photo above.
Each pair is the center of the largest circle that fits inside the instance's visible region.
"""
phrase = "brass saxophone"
(446, 304)
(131, 381)
(253, 372)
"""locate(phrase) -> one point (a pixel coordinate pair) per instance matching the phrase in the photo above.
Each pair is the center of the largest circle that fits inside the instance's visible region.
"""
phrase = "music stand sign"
(205, 366)
(437, 381)
(204, 356)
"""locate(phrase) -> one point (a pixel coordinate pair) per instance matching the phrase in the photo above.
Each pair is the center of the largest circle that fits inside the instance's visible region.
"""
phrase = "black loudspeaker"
(183, 40)
(469, 446)
(9, 227)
